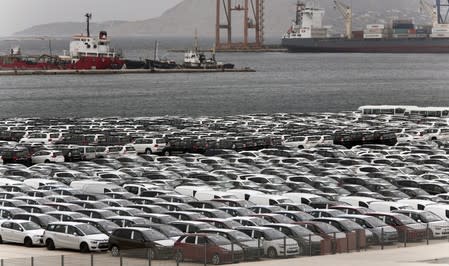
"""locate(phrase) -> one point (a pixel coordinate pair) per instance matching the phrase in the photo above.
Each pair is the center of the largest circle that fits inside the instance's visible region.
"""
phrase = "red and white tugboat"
(86, 52)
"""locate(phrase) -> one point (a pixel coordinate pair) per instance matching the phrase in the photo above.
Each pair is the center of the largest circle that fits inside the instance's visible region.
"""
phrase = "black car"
(16, 155)
(140, 241)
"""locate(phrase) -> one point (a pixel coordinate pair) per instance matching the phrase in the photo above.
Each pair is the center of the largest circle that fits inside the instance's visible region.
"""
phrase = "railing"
(353, 242)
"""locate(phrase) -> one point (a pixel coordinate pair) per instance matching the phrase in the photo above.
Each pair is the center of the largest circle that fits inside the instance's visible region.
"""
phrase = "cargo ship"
(308, 35)
(85, 52)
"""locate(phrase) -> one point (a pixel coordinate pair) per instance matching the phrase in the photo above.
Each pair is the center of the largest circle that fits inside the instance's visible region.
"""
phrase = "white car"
(149, 145)
(73, 235)
(128, 150)
(21, 232)
(405, 137)
(47, 156)
(44, 138)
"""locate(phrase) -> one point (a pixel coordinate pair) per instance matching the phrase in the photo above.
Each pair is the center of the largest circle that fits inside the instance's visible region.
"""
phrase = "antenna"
(88, 18)
(196, 40)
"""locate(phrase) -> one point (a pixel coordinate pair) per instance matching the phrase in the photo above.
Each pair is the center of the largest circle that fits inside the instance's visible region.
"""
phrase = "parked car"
(213, 248)
(74, 235)
(252, 248)
(408, 229)
(21, 232)
(144, 241)
(275, 243)
(47, 156)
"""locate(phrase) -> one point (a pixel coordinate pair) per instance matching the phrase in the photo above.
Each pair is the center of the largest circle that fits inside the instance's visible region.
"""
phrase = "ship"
(308, 35)
(85, 52)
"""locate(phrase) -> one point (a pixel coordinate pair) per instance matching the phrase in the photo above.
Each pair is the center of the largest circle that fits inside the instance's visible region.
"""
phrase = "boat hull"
(339, 45)
(83, 63)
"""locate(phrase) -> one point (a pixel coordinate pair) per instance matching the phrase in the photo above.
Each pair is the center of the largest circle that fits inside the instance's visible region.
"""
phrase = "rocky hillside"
(182, 19)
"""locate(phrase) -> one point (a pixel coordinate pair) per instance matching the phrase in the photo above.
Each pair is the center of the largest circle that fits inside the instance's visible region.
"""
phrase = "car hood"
(166, 242)
(38, 232)
(97, 237)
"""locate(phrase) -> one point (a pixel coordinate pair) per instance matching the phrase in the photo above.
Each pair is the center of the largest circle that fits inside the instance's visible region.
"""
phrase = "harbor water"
(283, 83)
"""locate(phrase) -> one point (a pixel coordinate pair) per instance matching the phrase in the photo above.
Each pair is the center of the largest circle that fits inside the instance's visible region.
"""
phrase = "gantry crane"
(442, 4)
(346, 12)
(431, 10)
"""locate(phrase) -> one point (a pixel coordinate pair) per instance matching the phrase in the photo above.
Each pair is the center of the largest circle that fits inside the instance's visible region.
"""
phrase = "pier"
(121, 71)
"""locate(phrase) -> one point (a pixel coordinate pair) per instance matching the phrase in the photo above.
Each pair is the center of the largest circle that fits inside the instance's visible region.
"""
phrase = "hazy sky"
(21, 14)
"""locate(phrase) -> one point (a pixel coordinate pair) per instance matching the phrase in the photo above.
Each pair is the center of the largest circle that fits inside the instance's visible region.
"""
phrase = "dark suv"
(140, 241)
(16, 155)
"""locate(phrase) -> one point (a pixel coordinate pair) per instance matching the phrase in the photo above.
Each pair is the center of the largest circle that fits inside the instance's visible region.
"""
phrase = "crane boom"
(431, 10)
(346, 12)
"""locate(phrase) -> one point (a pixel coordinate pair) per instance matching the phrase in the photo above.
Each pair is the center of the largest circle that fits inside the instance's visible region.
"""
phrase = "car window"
(123, 233)
(7, 225)
(71, 230)
(136, 235)
(59, 228)
(190, 239)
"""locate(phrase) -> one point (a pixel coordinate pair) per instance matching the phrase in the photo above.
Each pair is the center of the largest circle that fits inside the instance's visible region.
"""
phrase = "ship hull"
(83, 63)
(339, 45)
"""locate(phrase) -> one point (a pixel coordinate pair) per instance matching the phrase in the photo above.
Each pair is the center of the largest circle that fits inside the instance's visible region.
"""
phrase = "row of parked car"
(240, 203)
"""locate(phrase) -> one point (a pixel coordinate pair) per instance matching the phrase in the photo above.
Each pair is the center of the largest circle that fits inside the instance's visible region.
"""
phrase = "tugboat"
(86, 52)
(194, 59)
(161, 63)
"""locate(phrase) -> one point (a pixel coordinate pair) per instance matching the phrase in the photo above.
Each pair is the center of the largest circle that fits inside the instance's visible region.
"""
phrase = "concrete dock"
(119, 71)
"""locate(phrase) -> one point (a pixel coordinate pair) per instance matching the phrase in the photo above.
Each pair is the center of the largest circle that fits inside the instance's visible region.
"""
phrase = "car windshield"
(405, 219)
(154, 235)
(428, 217)
(169, 231)
(219, 240)
(350, 225)
(273, 234)
(375, 222)
(108, 225)
(48, 219)
(301, 231)
(328, 229)
(30, 226)
(240, 236)
(88, 229)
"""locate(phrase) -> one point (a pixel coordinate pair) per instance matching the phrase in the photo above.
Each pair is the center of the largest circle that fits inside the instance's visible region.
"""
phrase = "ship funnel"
(103, 35)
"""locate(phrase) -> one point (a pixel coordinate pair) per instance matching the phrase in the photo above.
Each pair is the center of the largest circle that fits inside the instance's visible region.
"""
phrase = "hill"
(184, 18)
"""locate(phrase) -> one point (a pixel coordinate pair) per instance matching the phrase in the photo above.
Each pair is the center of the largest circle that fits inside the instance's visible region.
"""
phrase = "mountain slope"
(184, 18)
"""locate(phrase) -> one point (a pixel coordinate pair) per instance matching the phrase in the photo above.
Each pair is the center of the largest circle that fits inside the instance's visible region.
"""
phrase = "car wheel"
(50, 244)
(272, 253)
(28, 242)
(215, 259)
(179, 257)
(167, 153)
(47, 161)
(115, 251)
(148, 151)
(1, 240)
(84, 248)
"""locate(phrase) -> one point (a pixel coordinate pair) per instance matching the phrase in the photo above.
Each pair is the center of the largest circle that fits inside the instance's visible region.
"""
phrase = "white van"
(191, 190)
(441, 210)
(39, 182)
(213, 194)
(417, 204)
(304, 198)
(96, 187)
(358, 201)
(244, 194)
(266, 199)
(388, 206)
(9, 182)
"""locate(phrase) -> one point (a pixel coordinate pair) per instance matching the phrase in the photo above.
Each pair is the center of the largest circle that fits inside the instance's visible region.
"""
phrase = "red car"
(327, 232)
(408, 229)
(213, 248)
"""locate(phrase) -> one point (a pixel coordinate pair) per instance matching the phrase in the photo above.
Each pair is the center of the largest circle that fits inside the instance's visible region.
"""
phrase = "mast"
(156, 51)
(196, 41)
(88, 18)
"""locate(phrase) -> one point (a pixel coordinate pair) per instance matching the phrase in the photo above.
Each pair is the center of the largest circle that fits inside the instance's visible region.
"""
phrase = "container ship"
(85, 52)
(307, 34)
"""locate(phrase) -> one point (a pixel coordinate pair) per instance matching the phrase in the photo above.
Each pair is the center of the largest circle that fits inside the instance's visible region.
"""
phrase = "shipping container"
(373, 36)
(375, 26)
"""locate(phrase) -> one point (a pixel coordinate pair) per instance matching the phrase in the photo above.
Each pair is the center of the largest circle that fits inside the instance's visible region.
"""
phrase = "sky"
(18, 15)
